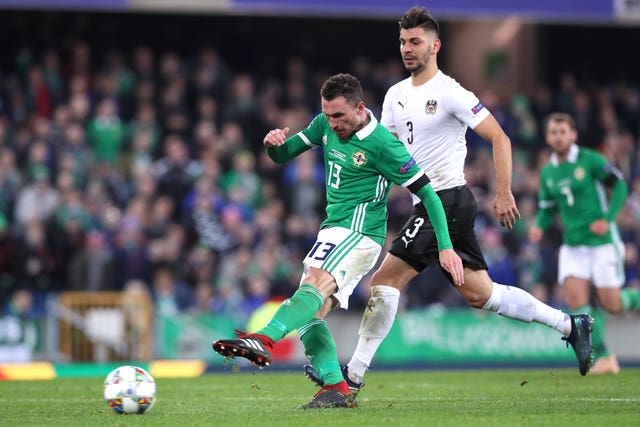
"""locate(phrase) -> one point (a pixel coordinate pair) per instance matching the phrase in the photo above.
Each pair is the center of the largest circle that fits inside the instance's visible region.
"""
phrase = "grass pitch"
(541, 397)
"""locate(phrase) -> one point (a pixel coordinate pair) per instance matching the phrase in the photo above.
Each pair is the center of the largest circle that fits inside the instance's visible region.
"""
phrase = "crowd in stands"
(143, 166)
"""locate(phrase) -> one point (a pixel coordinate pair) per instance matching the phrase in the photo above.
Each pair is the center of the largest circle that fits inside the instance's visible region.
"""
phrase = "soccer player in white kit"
(430, 113)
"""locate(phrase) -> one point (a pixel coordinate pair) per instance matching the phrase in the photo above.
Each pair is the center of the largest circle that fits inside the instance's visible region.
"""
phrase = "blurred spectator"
(541, 106)
(200, 266)
(304, 180)
(123, 79)
(207, 109)
(143, 63)
(243, 107)
(159, 219)
(206, 226)
(242, 184)
(525, 133)
(501, 264)
(204, 139)
(170, 295)
(79, 106)
(106, 132)
(231, 141)
(632, 265)
(130, 251)
(10, 182)
(38, 200)
(39, 97)
(18, 332)
(8, 257)
(257, 292)
(93, 269)
(34, 262)
(66, 232)
(145, 122)
(168, 249)
(81, 64)
(211, 76)
(206, 301)
(585, 112)
(176, 172)
(52, 74)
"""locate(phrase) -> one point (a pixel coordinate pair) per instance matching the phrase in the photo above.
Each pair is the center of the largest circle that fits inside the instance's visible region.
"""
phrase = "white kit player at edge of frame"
(430, 113)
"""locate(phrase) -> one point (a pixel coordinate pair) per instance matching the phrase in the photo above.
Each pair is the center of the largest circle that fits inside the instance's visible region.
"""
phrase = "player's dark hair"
(344, 85)
(560, 117)
(418, 16)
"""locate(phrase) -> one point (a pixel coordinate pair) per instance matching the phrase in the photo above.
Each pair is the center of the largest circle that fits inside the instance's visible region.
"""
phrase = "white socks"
(376, 323)
(380, 313)
(518, 304)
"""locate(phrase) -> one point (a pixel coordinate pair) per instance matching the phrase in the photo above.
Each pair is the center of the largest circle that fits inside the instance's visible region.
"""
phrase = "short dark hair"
(560, 118)
(344, 85)
(418, 16)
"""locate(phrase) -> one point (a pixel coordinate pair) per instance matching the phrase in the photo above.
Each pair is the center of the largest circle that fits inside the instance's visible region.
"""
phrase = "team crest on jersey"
(359, 158)
(431, 106)
(579, 173)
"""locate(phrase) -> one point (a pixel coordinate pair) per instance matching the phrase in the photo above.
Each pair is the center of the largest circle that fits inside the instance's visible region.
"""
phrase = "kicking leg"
(292, 313)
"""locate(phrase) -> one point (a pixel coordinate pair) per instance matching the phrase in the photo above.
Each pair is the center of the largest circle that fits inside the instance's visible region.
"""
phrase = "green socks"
(294, 312)
(320, 348)
(630, 299)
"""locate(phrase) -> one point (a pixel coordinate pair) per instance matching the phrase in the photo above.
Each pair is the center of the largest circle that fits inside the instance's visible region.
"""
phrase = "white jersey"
(431, 120)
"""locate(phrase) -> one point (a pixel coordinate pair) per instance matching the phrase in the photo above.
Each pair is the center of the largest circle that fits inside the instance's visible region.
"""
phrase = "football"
(130, 390)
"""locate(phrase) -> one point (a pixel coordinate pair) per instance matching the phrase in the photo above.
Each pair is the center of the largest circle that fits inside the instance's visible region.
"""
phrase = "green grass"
(552, 397)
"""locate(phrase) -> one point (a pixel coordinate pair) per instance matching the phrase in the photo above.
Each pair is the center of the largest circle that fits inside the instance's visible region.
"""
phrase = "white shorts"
(346, 255)
(602, 265)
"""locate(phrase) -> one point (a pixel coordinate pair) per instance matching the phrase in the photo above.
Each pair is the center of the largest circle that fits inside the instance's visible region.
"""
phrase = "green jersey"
(359, 173)
(575, 189)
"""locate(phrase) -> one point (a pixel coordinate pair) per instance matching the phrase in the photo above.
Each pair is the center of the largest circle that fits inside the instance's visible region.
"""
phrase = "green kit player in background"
(573, 184)
(362, 159)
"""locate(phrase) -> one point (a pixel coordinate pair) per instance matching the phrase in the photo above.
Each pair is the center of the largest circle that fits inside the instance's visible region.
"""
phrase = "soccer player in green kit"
(573, 184)
(362, 158)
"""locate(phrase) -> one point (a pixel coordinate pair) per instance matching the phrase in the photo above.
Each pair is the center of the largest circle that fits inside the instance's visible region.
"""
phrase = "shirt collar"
(368, 129)
(571, 158)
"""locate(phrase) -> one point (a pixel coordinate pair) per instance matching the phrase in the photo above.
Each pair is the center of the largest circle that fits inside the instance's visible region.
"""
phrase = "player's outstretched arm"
(282, 149)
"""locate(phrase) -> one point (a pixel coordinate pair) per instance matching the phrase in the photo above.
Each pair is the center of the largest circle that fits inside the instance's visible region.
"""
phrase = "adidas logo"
(253, 343)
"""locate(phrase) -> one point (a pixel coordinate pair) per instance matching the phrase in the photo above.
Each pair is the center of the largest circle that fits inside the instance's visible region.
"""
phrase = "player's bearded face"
(415, 47)
(344, 118)
(560, 136)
